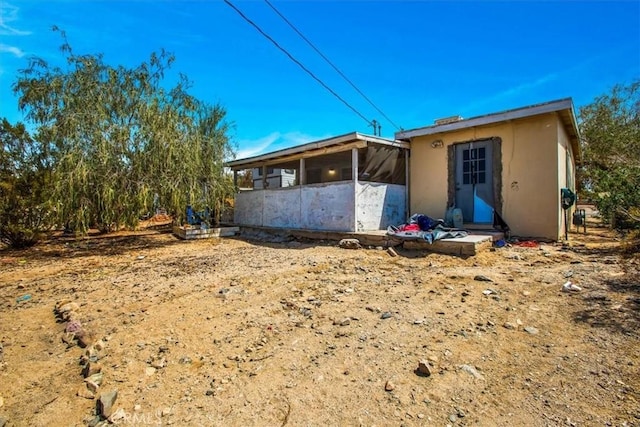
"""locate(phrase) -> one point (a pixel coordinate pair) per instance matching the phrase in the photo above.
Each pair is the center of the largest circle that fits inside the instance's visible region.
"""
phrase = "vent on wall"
(447, 120)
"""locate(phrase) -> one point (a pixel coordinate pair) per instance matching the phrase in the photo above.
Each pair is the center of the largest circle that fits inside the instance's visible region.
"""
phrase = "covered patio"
(351, 183)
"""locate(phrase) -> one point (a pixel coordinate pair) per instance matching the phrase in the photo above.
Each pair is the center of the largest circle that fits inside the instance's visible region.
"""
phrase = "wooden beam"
(305, 155)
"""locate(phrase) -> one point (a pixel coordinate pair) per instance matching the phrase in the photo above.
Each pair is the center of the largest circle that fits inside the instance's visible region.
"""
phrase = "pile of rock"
(75, 332)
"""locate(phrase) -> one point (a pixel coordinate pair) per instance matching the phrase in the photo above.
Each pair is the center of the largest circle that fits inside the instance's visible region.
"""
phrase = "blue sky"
(416, 60)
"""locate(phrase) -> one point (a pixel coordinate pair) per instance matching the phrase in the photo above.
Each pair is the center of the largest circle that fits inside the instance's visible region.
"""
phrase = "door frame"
(496, 170)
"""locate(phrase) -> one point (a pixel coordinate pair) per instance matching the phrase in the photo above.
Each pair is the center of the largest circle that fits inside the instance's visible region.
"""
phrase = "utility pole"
(376, 127)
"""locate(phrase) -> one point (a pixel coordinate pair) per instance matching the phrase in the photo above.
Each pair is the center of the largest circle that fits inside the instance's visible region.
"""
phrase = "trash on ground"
(570, 287)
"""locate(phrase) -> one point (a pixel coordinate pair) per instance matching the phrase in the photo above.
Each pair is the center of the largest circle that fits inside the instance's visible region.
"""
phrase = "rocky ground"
(234, 332)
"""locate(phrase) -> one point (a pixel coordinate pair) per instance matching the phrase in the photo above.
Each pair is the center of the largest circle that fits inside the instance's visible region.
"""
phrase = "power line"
(330, 63)
(296, 61)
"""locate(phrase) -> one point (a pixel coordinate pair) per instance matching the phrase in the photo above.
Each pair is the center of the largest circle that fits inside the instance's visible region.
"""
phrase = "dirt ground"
(234, 332)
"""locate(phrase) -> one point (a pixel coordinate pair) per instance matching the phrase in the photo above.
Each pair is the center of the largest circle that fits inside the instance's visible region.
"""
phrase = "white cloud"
(272, 142)
(514, 91)
(8, 14)
(11, 49)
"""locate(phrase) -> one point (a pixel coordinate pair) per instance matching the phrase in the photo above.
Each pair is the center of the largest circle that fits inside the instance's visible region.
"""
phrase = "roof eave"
(488, 119)
(314, 146)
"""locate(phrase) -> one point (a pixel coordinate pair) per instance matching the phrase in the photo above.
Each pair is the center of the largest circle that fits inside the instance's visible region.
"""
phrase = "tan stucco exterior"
(535, 155)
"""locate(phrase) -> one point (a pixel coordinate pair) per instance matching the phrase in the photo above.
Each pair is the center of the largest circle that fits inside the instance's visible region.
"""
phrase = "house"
(276, 178)
(352, 182)
(515, 162)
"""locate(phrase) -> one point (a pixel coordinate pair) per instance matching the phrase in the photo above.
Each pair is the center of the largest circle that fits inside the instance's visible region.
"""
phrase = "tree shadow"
(617, 309)
(63, 246)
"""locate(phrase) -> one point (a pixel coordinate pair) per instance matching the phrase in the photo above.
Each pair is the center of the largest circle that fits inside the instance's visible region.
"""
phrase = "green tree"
(25, 179)
(610, 173)
(120, 138)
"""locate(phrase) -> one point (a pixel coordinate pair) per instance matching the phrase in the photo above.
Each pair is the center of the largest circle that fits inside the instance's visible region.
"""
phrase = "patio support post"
(264, 177)
(303, 173)
(407, 175)
(354, 176)
(354, 165)
(235, 180)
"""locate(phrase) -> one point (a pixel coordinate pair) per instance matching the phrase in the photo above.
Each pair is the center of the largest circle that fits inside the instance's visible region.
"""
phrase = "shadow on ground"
(61, 246)
(615, 305)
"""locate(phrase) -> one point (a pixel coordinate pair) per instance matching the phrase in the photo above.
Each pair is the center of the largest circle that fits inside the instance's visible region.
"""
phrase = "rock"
(386, 315)
(1, 402)
(104, 406)
(471, 371)
(350, 244)
(84, 391)
(481, 278)
(389, 386)
(95, 379)
(509, 325)
(346, 321)
(93, 387)
(453, 418)
(149, 371)
(85, 338)
(531, 330)
(74, 326)
(3, 421)
(489, 292)
(95, 421)
(67, 307)
(392, 251)
(91, 368)
(159, 364)
(423, 368)
(117, 416)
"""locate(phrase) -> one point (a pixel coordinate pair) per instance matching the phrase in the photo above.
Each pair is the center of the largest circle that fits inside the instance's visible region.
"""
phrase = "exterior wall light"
(437, 144)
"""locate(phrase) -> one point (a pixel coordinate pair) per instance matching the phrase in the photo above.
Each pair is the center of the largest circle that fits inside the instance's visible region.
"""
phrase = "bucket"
(458, 221)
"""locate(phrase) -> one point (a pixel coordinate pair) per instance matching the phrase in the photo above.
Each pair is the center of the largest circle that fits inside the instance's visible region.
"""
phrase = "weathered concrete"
(379, 205)
(463, 246)
(248, 207)
(198, 233)
(281, 207)
(336, 206)
(327, 207)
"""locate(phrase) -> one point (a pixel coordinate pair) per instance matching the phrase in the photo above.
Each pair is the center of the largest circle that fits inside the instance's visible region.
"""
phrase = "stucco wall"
(379, 205)
(282, 208)
(329, 207)
(566, 173)
(248, 207)
(529, 173)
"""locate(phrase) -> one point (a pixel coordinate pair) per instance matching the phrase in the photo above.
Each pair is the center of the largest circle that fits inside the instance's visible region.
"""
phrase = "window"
(474, 166)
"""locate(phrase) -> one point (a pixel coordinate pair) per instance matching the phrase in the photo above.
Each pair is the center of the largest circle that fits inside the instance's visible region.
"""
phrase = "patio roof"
(317, 148)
